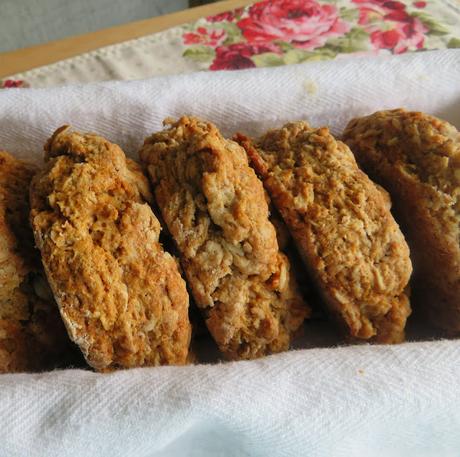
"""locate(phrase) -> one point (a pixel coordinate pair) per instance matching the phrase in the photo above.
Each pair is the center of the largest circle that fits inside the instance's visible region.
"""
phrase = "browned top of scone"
(419, 148)
(417, 158)
(120, 294)
(216, 211)
(341, 223)
(32, 336)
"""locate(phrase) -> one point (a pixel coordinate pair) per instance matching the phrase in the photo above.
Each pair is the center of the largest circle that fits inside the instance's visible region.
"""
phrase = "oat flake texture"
(384, 401)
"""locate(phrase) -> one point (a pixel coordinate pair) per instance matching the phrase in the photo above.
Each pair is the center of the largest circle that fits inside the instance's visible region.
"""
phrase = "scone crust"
(32, 335)
(342, 225)
(215, 210)
(120, 294)
(416, 157)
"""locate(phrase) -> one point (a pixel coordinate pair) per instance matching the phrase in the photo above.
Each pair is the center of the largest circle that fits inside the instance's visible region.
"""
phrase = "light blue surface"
(28, 22)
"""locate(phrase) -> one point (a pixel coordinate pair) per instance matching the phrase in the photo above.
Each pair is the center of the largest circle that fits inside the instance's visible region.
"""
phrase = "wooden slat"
(36, 56)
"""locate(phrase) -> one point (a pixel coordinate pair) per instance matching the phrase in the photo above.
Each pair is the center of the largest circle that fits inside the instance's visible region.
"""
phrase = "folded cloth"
(349, 401)
(323, 93)
(352, 401)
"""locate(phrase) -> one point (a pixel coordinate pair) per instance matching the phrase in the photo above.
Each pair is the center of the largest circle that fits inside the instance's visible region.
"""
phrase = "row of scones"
(249, 227)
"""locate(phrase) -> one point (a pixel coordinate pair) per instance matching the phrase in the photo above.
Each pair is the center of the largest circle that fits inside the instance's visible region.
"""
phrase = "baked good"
(416, 157)
(216, 212)
(32, 335)
(342, 226)
(121, 296)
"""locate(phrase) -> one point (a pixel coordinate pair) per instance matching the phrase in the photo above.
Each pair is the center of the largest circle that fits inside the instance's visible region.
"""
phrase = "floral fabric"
(266, 33)
(278, 32)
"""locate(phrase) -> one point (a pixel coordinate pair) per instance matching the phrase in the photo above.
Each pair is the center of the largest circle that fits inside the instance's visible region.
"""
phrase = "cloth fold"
(346, 401)
(349, 401)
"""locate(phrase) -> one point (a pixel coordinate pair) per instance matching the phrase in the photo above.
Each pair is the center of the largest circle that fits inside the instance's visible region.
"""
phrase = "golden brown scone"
(120, 294)
(342, 226)
(32, 335)
(416, 157)
(215, 210)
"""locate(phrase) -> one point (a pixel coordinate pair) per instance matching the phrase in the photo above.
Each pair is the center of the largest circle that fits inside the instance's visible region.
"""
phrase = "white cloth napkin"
(352, 401)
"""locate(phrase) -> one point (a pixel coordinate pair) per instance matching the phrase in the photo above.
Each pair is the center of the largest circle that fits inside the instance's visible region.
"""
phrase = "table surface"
(36, 56)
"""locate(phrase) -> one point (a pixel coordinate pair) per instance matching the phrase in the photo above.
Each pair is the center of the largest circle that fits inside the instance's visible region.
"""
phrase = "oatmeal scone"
(121, 296)
(32, 335)
(342, 226)
(416, 157)
(216, 211)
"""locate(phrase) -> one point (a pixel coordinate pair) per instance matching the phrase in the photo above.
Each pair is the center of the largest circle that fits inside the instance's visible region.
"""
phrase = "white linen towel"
(354, 401)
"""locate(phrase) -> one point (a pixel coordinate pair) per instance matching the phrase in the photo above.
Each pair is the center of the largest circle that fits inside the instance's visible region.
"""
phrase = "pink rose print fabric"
(403, 31)
(279, 32)
(204, 36)
(264, 34)
(12, 83)
(237, 56)
(306, 24)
